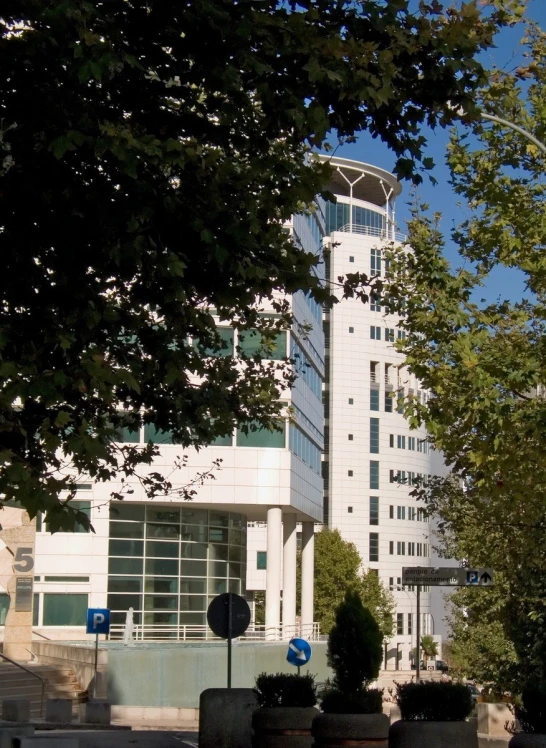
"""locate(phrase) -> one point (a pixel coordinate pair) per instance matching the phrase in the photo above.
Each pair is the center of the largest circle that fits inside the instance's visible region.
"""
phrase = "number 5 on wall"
(23, 560)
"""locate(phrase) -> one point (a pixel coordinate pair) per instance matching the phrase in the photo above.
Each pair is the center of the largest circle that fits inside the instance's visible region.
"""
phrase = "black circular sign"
(218, 615)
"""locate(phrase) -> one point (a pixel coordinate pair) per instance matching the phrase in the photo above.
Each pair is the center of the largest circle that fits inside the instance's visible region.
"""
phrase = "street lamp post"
(513, 126)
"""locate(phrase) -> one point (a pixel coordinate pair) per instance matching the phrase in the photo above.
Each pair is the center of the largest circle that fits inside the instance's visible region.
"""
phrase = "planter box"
(528, 740)
(421, 734)
(492, 719)
(283, 727)
(337, 730)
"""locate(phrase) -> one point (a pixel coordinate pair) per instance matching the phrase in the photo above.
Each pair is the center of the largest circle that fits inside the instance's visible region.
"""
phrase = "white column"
(273, 572)
(289, 575)
(307, 576)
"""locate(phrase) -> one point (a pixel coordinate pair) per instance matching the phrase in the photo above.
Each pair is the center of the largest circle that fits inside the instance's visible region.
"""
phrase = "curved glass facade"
(337, 215)
(169, 562)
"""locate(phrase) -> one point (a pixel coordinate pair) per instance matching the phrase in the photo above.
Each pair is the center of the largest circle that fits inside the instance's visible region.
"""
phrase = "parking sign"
(98, 621)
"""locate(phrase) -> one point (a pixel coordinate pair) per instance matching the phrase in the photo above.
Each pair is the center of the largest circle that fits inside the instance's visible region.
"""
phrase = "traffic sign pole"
(418, 630)
(96, 665)
(230, 631)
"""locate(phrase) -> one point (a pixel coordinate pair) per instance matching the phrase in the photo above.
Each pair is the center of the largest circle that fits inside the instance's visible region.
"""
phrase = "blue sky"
(503, 283)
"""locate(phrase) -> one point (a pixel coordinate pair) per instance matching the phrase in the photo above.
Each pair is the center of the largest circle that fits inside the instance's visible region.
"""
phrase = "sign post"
(228, 616)
(98, 622)
(443, 576)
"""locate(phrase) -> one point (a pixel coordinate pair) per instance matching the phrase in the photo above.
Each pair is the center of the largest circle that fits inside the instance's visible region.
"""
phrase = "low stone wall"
(492, 719)
(173, 675)
(81, 660)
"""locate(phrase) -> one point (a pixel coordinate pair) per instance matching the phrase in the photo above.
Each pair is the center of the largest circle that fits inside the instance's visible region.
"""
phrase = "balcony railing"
(357, 228)
(183, 632)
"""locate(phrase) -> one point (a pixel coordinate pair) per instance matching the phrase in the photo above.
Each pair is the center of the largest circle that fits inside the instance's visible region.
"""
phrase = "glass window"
(375, 261)
(218, 569)
(251, 343)
(193, 568)
(217, 586)
(223, 348)
(196, 533)
(4, 607)
(374, 435)
(374, 474)
(374, 399)
(375, 332)
(125, 566)
(161, 567)
(36, 609)
(374, 546)
(219, 519)
(164, 585)
(154, 530)
(235, 552)
(65, 610)
(351, 401)
(261, 437)
(126, 530)
(194, 550)
(156, 436)
(192, 619)
(388, 403)
(374, 510)
(124, 584)
(399, 623)
(122, 511)
(195, 516)
(193, 602)
(160, 602)
(171, 516)
(127, 435)
(159, 549)
(161, 619)
(193, 586)
(218, 552)
(410, 624)
(391, 547)
(124, 602)
(126, 548)
(391, 512)
(235, 537)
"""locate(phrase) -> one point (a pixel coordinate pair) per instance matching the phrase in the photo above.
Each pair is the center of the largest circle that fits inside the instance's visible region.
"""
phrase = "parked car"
(474, 691)
(441, 666)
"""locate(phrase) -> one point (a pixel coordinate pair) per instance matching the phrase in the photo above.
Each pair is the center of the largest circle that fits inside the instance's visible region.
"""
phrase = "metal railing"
(34, 675)
(380, 233)
(184, 632)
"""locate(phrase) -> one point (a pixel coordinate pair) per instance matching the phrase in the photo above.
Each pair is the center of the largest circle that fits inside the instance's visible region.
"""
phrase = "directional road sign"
(299, 652)
(447, 576)
(430, 575)
(477, 577)
(228, 606)
(98, 621)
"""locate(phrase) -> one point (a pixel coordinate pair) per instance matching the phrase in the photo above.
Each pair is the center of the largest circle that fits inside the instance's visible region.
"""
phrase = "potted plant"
(530, 712)
(351, 710)
(433, 715)
(287, 707)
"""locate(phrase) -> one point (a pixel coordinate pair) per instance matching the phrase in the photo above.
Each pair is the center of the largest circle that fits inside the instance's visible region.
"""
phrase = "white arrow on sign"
(300, 655)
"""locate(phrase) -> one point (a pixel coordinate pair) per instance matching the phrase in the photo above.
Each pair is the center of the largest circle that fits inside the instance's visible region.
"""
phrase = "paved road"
(127, 738)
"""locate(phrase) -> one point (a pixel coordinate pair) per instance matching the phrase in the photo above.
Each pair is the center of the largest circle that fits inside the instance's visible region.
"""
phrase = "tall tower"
(372, 458)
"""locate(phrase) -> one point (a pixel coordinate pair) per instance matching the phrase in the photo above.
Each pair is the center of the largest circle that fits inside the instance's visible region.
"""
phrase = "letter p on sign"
(98, 621)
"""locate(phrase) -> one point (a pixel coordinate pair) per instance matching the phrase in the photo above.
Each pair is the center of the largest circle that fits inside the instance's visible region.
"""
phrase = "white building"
(168, 558)
(372, 458)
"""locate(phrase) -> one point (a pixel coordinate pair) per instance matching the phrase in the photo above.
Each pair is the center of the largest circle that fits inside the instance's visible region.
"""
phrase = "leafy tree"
(485, 365)
(150, 155)
(379, 601)
(354, 645)
(429, 647)
(338, 567)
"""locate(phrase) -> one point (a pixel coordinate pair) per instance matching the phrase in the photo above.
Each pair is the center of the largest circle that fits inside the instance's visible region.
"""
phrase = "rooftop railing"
(183, 632)
(380, 233)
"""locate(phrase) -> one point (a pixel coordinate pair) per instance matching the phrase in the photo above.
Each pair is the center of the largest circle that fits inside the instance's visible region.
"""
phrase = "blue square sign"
(98, 621)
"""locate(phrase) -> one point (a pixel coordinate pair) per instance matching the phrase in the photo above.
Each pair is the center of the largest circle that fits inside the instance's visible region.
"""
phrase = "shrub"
(354, 645)
(365, 701)
(284, 689)
(531, 709)
(433, 701)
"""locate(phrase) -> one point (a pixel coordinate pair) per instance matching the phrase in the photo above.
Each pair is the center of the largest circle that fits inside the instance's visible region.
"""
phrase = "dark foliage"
(285, 689)
(365, 701)
(354, 645)
(531, 711)
(433, 701)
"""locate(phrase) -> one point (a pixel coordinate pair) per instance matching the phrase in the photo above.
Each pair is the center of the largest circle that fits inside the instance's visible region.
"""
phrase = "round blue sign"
(299, 652)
